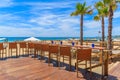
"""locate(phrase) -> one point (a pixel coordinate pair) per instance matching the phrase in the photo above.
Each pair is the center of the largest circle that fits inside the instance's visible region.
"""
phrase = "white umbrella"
(31, 39)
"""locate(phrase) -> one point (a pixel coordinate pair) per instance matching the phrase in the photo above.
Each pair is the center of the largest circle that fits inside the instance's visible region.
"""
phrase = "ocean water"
(12, 39)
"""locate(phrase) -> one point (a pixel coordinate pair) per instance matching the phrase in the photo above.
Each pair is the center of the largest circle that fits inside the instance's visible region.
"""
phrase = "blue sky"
(49, 18)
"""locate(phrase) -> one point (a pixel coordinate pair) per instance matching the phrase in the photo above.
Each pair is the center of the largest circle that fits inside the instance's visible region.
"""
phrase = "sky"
(49, 18)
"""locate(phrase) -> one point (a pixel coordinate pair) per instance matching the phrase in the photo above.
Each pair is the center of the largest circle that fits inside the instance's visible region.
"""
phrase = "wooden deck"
(26, 68)
(114, 71)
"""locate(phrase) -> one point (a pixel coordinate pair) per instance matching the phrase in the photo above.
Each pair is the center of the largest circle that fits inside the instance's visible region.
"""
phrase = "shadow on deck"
(26, 68)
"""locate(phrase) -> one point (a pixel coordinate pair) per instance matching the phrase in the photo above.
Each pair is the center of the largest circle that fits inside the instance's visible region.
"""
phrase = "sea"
(12, 39)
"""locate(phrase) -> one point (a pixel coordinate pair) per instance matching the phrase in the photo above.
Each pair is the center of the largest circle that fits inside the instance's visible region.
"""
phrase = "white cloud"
(92, 24)
(117, 14)
(6, 3)
(54, 19)
(116, 30)
(50, 5)
(35, 31)
(8, 16)
(91, 32)
(13, 31)
(48, 19)
(45, 20)
(61, 25)
(58, 24)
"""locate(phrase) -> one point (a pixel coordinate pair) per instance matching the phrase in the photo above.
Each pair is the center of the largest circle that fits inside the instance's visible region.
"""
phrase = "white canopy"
(31, 39)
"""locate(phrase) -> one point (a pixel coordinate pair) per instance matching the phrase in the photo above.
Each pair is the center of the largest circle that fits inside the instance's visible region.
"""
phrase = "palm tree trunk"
(81, 30)
(110, 29)
(103, 35)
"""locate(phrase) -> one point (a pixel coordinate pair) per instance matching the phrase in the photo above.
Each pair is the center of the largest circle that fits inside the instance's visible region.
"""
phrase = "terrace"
(32, 67)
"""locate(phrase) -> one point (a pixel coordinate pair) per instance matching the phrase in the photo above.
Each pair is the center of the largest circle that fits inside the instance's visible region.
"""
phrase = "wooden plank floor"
(27, 68)
(114, 71)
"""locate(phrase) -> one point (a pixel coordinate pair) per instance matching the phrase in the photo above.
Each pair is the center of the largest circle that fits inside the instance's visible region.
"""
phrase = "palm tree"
(102, 12)
(81, 9)
(112, 4)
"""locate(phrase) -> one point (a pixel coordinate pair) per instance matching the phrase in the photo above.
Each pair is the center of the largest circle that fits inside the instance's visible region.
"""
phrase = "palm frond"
(114, 6)
(82, 9)
(99, 4)
(74, 13)
(117, 1)
(87, 8)
(99, 11)
(78, 6)
(90, 11)
(105, 12)
(107, 2)
(84, 5)
(97, 18)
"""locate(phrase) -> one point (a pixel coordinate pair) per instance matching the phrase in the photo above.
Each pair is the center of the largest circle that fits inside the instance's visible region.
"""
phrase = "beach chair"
(22, 48)
(53, 49)
(37, 49)
(66, 51)
(12, 49)
(2, 51)
(44, 48)
(83, 55)
(31, 48)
